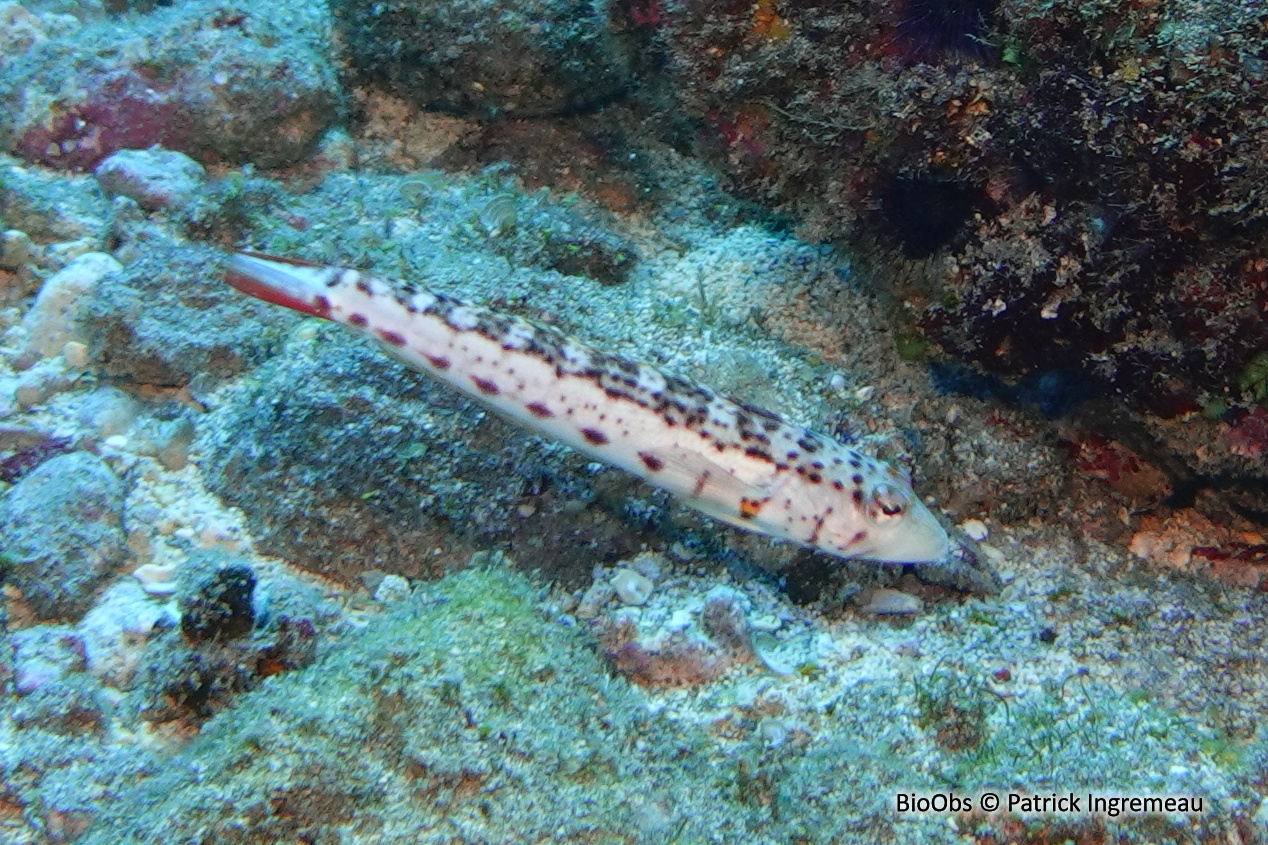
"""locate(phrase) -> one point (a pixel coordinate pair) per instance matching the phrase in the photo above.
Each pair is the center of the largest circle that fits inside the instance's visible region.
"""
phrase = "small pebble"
(893, 602)
(75, 354)
(392, 589)
(155, 178)
(173, 443)
(766, 647)
(632, 587)
(975, 529)
(156, 579)
(16, 250)
(599, 594)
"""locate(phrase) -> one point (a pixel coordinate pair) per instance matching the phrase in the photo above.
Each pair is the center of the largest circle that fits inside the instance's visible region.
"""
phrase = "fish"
(732, 461)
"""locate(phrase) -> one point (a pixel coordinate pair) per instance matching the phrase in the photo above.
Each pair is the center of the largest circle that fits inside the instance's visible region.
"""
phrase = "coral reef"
(1055, 185)
(197, 77)
(481, 58)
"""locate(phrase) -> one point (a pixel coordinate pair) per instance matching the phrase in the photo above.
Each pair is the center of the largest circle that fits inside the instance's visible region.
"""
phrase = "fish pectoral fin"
(708, 485)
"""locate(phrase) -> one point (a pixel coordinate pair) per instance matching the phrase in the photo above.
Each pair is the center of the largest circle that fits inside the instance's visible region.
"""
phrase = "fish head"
(887, 522)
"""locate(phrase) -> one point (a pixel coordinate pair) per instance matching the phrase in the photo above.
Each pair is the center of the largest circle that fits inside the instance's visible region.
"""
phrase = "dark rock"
(1111, 228)
(232, 635)
(484, 59)
(220, 606)
(61, 533)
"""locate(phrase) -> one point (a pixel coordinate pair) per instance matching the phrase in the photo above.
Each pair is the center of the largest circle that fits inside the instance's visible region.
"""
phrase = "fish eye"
(889, 499)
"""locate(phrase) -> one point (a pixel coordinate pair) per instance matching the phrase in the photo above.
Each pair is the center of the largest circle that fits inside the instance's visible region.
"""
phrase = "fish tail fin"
(298, 285)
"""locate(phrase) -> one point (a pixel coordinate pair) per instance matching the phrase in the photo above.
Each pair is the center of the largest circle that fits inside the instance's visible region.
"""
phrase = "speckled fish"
(732, 461)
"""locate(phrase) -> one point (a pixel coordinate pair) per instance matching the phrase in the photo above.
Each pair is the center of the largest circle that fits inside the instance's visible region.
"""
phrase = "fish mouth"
(920, 539)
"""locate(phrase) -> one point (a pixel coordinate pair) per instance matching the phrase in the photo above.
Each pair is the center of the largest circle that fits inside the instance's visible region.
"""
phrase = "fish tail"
(298, 285)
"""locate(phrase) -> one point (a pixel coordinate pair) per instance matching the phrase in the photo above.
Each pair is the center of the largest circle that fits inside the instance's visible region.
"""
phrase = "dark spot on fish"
(760, 454)
(857, 479)
(598, 438)
(322, 304)
(858, 497)
(808, 444)
(539, 410)
(394, 338)
(814, 478)
(814, 535)
(357, 320)
(439, 362)
(364, 286)
(856, 539)
(652, 462)
(750, 508)
(855, 463)
(485, 385)
(837, 485)
(700, 484)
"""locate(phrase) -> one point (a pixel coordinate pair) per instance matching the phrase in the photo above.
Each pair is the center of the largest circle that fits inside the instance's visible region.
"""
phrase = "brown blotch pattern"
(598, 438)
(652, 462)
(485, 386)
(394, 338)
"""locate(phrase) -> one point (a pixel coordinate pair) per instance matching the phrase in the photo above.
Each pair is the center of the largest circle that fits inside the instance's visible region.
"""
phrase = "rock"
(41, 383)
(219, 606)
(61, 533)
(115, 632)
(484, 59)
(70, 705)
(392, 465)
(631, 587)
(232, 85)
(173, 442)
(57, 317)
(16, 250)
(392, 589)
(52, 209)
(885, 601)
(44, 655)
(165, 319)
(156, 178)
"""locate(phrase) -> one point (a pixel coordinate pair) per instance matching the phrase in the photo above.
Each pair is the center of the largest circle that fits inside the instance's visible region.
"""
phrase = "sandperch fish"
(735, 462)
